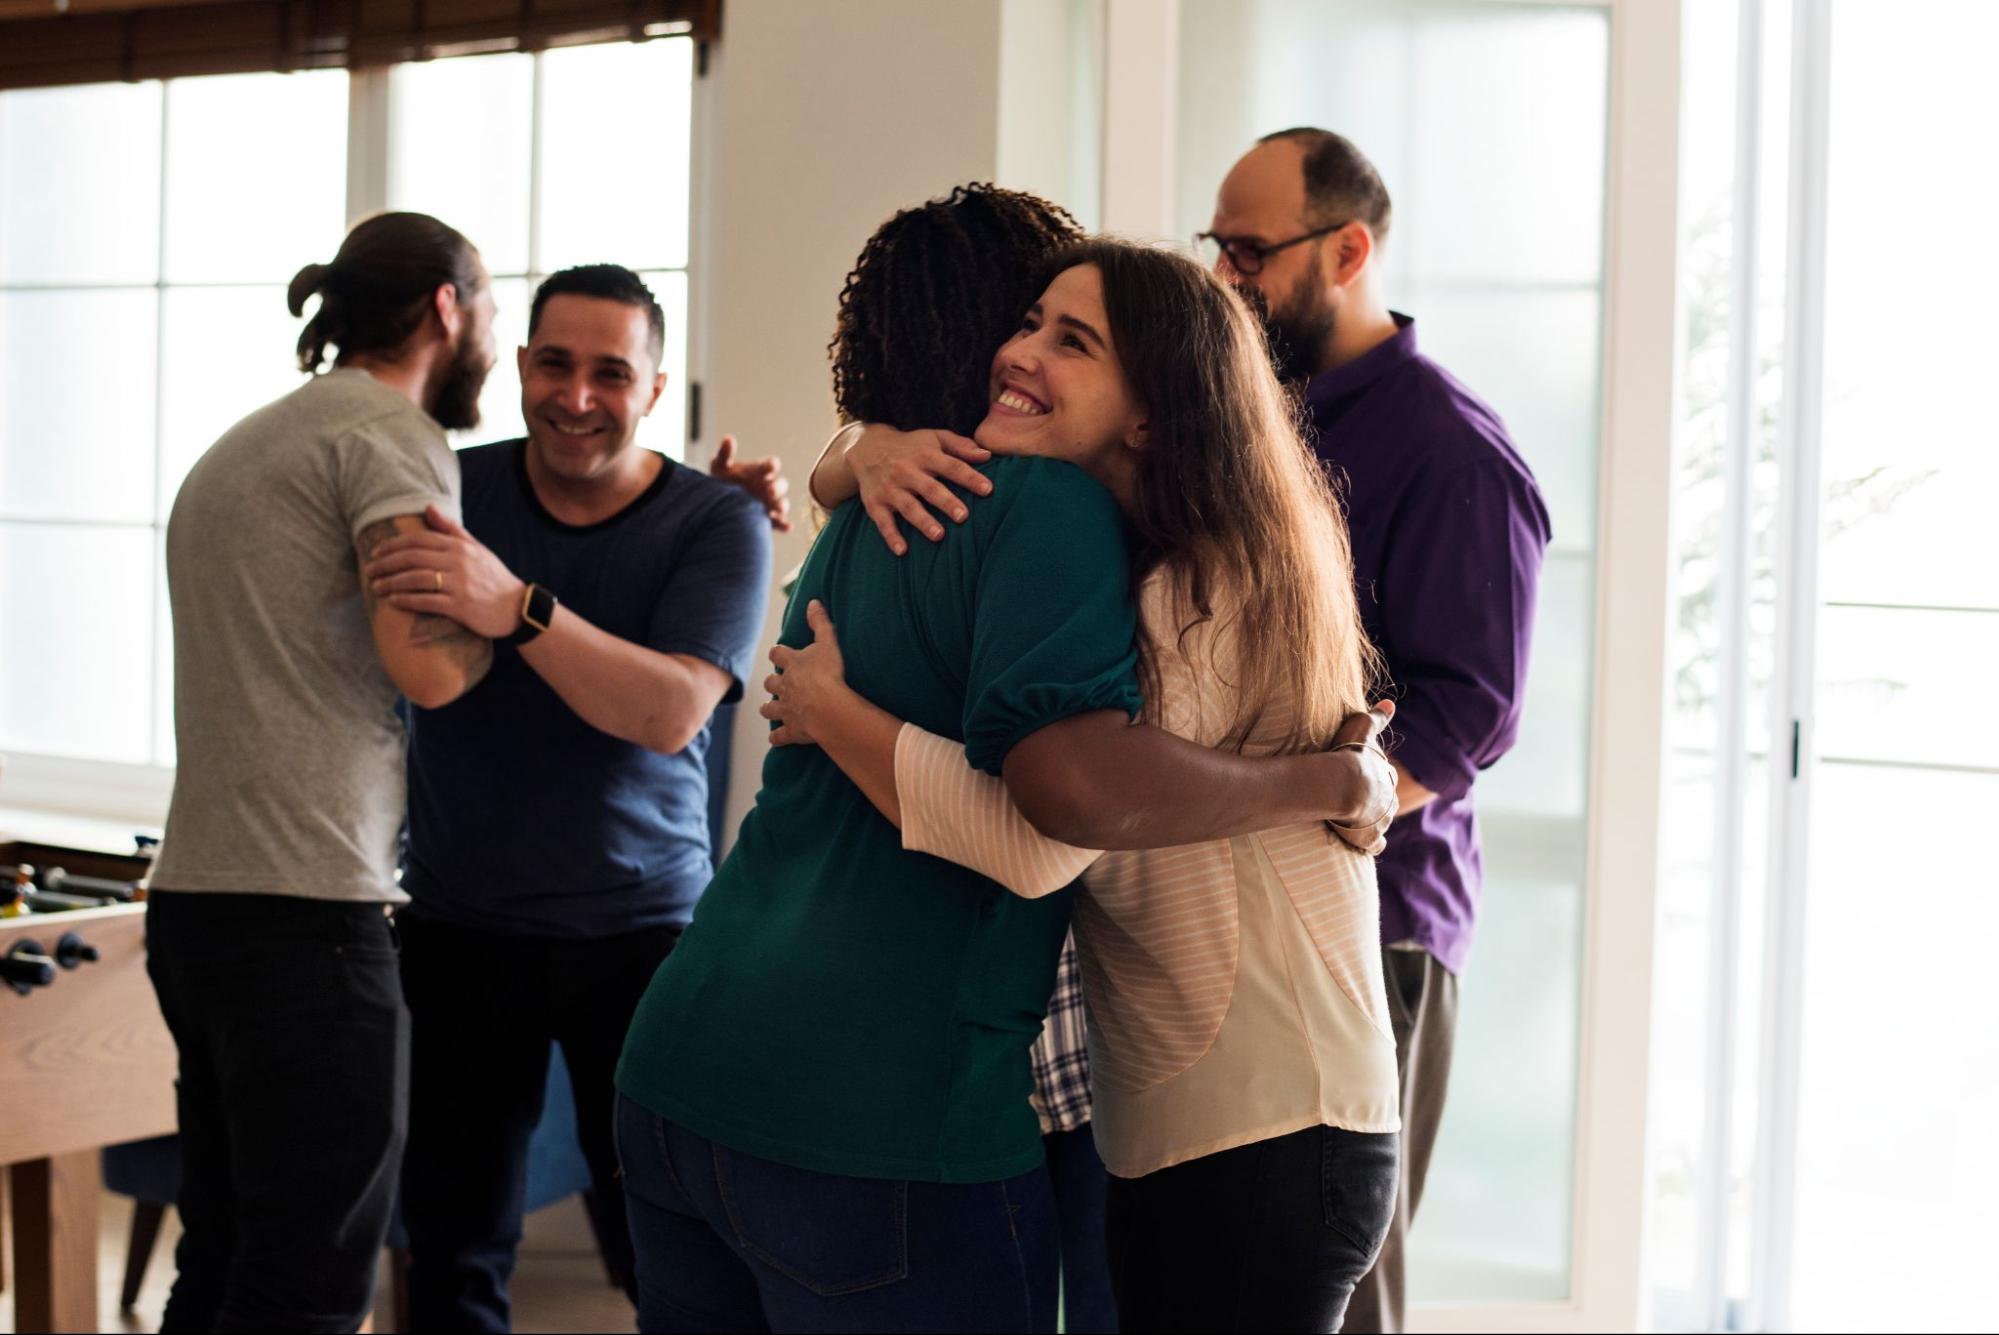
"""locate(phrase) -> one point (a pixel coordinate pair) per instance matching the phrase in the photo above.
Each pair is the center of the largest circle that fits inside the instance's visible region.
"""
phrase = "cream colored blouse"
(1233, 988)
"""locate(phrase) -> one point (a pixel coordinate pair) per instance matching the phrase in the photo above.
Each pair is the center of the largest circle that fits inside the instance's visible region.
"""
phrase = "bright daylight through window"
(1767, 1152)
(142, 311)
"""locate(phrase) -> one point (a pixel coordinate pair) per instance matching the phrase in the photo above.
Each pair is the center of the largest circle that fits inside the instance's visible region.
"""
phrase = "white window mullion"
(1733, 578)
(370, 95)
(1800, 432)
(535, 117)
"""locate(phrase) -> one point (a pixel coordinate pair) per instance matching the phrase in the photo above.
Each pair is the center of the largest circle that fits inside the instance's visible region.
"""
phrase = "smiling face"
(1058, 389)
(589, 376)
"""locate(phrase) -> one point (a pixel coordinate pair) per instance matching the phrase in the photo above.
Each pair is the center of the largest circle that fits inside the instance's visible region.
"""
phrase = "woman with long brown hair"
(1242, 1064)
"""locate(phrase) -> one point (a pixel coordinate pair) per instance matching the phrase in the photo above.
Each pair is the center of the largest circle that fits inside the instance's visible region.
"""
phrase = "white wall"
(823, 117)
(1051, 133)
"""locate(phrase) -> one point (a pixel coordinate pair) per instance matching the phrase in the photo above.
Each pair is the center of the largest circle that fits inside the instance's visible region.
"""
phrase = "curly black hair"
(935, 291)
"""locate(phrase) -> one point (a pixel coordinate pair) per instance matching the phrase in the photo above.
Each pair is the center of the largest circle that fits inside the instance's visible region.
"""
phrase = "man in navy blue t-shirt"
(558, 814)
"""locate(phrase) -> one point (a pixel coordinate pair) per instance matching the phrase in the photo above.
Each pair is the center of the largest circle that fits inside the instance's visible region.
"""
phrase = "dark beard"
(456, 406)
(1297, 334)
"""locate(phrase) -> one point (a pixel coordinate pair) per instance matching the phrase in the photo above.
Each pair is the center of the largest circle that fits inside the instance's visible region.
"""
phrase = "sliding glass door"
(1823, 1122)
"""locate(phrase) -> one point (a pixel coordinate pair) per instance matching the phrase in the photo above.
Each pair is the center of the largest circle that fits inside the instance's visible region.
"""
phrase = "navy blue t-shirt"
(522, 817)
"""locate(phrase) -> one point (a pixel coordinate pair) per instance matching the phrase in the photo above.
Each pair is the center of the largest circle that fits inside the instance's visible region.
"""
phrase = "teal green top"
(839, 1004)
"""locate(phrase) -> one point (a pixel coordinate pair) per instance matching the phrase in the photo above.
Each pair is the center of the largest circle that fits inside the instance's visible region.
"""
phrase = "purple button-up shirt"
(1448, 531)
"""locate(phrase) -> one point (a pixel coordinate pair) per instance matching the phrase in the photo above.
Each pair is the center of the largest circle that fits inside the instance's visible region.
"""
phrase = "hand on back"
(807, 682)
(904, 474)
(762, 479)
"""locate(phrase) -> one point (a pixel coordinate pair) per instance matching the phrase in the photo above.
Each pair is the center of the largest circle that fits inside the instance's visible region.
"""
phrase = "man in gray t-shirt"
(290, 775)
(267, 939)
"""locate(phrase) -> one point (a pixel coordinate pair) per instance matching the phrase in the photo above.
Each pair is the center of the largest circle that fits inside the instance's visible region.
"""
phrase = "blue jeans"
(730, 1242)
(1077, 1173)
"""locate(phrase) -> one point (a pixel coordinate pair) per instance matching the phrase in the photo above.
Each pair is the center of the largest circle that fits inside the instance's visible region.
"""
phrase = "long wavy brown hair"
(1229, 499)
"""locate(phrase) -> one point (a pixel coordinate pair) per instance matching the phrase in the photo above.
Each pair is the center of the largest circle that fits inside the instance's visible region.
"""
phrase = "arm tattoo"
(369, 539)
(374, 536)
(430, 628)
(470, 652)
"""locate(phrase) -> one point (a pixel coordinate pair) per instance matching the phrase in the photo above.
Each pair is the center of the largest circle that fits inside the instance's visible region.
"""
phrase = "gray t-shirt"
(290, 777)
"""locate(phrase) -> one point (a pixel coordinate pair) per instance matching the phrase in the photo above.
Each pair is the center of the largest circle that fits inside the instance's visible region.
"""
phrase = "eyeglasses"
(1247, 257)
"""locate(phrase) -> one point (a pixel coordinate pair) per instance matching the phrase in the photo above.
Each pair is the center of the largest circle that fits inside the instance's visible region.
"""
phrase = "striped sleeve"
(963, 815)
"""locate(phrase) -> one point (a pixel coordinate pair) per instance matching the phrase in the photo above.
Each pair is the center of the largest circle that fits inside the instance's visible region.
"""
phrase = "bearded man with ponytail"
(267, 936)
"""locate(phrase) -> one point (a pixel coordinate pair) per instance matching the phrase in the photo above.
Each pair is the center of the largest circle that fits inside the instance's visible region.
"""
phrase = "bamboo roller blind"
(44, 43)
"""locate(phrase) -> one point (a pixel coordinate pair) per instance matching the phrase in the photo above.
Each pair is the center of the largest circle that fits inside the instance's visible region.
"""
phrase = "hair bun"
(305, 283)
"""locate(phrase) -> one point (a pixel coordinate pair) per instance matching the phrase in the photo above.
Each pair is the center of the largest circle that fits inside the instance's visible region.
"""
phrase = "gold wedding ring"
(439, 574)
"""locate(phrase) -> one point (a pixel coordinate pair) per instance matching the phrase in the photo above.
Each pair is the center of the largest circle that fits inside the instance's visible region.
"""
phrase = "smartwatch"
(537, 610)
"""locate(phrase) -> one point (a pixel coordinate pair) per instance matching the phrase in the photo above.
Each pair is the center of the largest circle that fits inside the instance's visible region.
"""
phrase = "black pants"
(294, 1062)
(1268, 1236)
(484, 1008)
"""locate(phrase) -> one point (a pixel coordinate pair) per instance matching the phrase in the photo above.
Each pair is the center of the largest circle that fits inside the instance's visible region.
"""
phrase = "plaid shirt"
(1061, 1097)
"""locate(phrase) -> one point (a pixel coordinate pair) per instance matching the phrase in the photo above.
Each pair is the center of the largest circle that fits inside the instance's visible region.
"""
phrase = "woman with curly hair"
(824, 1120)
(944, 267)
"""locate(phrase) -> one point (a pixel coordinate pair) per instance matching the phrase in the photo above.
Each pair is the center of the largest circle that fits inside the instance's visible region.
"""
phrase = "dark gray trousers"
(1423, 1011)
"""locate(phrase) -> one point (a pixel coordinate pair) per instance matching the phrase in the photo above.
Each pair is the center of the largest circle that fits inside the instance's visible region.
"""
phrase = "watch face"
(537, 607)
(540, 607)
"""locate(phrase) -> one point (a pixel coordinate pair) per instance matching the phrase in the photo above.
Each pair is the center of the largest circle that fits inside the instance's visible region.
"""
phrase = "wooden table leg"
(55, 1243)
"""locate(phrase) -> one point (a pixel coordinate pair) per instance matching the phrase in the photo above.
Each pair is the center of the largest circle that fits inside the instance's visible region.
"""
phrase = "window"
(1908, 626)
(147, 232)
(141, 312)
(1458, 102)
(607, 181)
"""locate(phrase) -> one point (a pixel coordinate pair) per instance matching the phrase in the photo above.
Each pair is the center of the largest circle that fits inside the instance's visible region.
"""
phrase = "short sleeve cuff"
(737, 668)
(412, 503)
(1001, 723)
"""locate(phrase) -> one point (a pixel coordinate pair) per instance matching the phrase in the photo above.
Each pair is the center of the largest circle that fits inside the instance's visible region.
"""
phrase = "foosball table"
(85, 1062)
